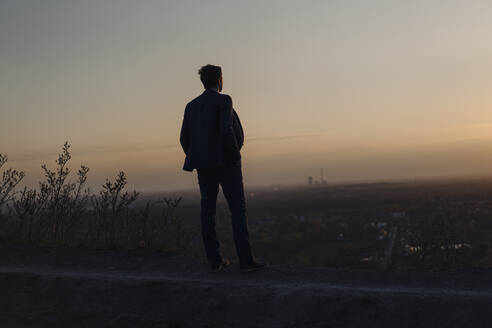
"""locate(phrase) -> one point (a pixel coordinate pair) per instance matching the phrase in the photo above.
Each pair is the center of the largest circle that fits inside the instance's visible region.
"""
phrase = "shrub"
(62, 212)
(111, 208)
(10, 179)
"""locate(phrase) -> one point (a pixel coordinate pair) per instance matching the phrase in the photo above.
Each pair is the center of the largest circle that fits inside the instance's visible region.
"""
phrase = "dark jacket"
(211, 133)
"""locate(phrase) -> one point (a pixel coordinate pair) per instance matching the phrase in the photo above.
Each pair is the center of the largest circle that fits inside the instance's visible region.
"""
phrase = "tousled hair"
(210, 75)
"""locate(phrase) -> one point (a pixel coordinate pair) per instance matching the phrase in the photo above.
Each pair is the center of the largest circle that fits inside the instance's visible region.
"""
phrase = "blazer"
(211, 132)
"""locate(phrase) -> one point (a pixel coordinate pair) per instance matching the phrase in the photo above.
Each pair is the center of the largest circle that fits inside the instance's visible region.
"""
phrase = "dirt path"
(44, 287)
(223, 282)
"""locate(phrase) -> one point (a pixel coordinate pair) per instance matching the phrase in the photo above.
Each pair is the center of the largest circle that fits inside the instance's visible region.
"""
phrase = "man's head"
(211, 76)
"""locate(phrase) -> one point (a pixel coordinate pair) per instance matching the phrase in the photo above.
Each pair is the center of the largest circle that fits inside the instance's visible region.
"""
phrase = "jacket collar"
(210, 90)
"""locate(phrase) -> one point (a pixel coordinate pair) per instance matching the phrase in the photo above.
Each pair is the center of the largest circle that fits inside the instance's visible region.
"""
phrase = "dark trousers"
(231, 180)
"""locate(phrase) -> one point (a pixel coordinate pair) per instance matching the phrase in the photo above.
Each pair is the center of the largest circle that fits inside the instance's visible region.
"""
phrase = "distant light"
(275, 188)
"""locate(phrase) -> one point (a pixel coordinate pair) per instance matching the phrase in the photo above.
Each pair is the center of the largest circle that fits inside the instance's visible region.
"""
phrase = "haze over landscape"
(368, 91)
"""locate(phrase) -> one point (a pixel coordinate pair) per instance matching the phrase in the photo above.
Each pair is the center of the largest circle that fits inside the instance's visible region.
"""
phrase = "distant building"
(321, 180)
(322, 177)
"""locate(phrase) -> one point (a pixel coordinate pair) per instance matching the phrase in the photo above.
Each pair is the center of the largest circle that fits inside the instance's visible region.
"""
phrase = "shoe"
(222, 266)
(255, 265)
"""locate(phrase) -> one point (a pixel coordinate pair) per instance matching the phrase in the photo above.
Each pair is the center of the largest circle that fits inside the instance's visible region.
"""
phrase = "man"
(212, 137)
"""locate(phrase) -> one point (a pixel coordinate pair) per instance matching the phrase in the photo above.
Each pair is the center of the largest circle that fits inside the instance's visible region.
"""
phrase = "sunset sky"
(368, 90)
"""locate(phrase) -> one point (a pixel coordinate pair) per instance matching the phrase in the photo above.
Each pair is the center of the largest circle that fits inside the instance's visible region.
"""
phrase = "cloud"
(91, 150)
(107, 149)
(284, 137)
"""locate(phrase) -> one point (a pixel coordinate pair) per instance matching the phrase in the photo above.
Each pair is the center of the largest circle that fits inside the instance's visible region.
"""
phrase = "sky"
(367, 90)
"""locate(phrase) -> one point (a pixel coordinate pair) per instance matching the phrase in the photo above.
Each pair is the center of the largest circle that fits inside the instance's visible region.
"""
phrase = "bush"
(63, 212)
(10, 179)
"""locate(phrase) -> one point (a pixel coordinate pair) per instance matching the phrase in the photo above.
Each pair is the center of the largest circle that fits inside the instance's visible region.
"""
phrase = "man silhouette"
(212, 137)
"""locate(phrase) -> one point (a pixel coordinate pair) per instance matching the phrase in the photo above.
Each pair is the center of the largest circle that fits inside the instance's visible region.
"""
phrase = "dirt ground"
(75, 287)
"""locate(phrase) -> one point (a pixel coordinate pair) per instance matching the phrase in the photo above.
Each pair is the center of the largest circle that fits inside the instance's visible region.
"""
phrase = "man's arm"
(184, 136)
(226, 130)
(240, 132)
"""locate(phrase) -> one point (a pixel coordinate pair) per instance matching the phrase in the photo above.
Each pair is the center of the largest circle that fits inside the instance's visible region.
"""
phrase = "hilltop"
(77, 287)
